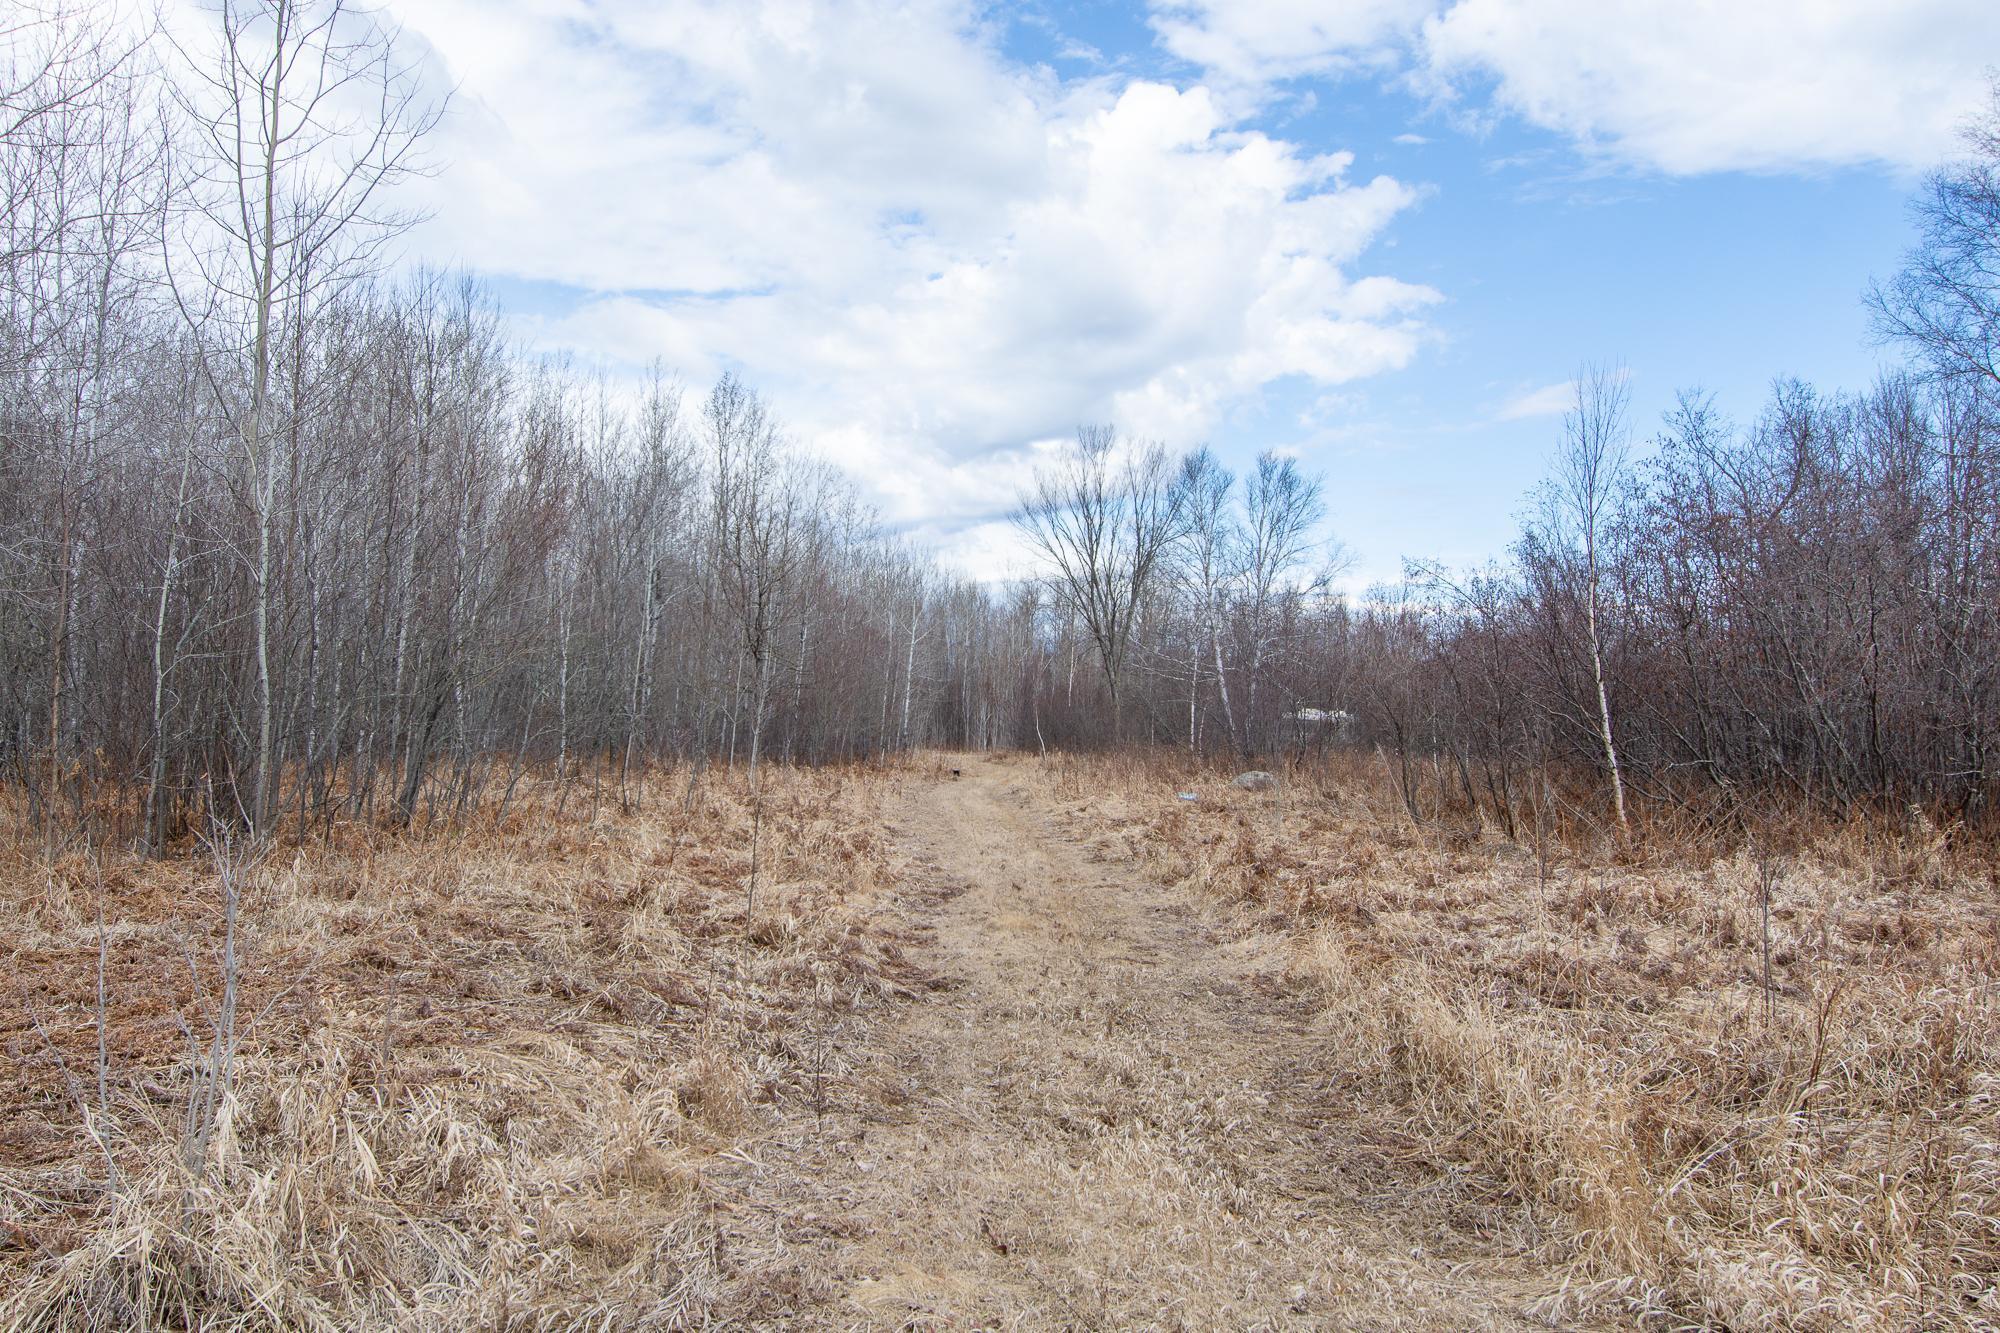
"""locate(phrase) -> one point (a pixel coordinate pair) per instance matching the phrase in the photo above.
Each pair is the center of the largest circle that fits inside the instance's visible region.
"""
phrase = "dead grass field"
(483, 1078)
(1036, 1045)
(1108, 1116)
(1586, 1036)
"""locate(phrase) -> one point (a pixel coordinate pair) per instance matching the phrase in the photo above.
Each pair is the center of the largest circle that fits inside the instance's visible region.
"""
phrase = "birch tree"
(303, 113)
(1211, 541)
(1588, 470)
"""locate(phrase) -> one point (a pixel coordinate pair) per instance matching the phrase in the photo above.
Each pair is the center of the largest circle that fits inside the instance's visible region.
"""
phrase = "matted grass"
(481, 1073)
(1585, 1030)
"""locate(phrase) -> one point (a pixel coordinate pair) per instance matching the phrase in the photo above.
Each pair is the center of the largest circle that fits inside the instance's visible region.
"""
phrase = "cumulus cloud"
(1706, 85)
(930, 256)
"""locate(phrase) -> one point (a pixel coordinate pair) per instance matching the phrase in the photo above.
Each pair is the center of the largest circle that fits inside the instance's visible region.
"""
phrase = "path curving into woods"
(1103, 1115)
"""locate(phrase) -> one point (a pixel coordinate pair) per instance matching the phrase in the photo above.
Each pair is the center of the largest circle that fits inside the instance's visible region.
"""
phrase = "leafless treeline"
(1809, 604)
(283, 539)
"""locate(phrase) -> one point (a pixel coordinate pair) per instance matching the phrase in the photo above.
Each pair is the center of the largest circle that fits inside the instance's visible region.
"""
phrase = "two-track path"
(1106, 1116)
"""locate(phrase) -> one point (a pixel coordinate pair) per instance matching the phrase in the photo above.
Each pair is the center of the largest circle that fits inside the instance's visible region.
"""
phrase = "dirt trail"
(1106, 1116)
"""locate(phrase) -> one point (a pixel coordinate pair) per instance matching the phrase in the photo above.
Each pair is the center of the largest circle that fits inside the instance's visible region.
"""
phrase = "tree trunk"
(1604, 702)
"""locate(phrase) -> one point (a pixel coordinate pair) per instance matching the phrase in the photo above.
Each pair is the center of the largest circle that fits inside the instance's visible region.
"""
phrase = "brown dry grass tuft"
(1589, 1034)
(482, 1076)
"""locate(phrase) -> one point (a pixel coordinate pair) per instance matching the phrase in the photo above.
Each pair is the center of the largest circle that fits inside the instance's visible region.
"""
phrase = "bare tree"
(1588, 470)
(1210, 560)
(82, 184)
(1281, 506)
(303, 112)
(654, 509)
(1103, 518)
(1945, 304)
(757, 509)
(68, 74)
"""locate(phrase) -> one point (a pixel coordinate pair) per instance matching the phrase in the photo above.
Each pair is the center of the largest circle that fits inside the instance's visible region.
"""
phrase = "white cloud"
(993, 550)
(929, 256)
(1715, 85)
(1256, 41)
(1548, 401)
(1697, 86)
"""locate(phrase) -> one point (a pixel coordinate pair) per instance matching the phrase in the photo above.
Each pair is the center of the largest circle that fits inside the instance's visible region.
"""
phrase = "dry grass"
(1589, 1035)
(483, 1077)
(1099, 1123)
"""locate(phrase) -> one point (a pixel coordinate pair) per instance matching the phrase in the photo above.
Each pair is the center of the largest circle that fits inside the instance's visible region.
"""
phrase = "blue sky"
(1715, 282)
(1381, 234)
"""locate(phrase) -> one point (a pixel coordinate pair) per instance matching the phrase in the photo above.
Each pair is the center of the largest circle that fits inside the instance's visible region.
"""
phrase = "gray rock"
(1255, 780)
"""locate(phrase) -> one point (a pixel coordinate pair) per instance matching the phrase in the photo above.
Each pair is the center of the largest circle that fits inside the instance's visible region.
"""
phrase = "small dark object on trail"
(954, 772)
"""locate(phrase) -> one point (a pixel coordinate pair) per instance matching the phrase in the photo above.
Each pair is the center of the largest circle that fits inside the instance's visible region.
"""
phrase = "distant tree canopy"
(285, 539)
